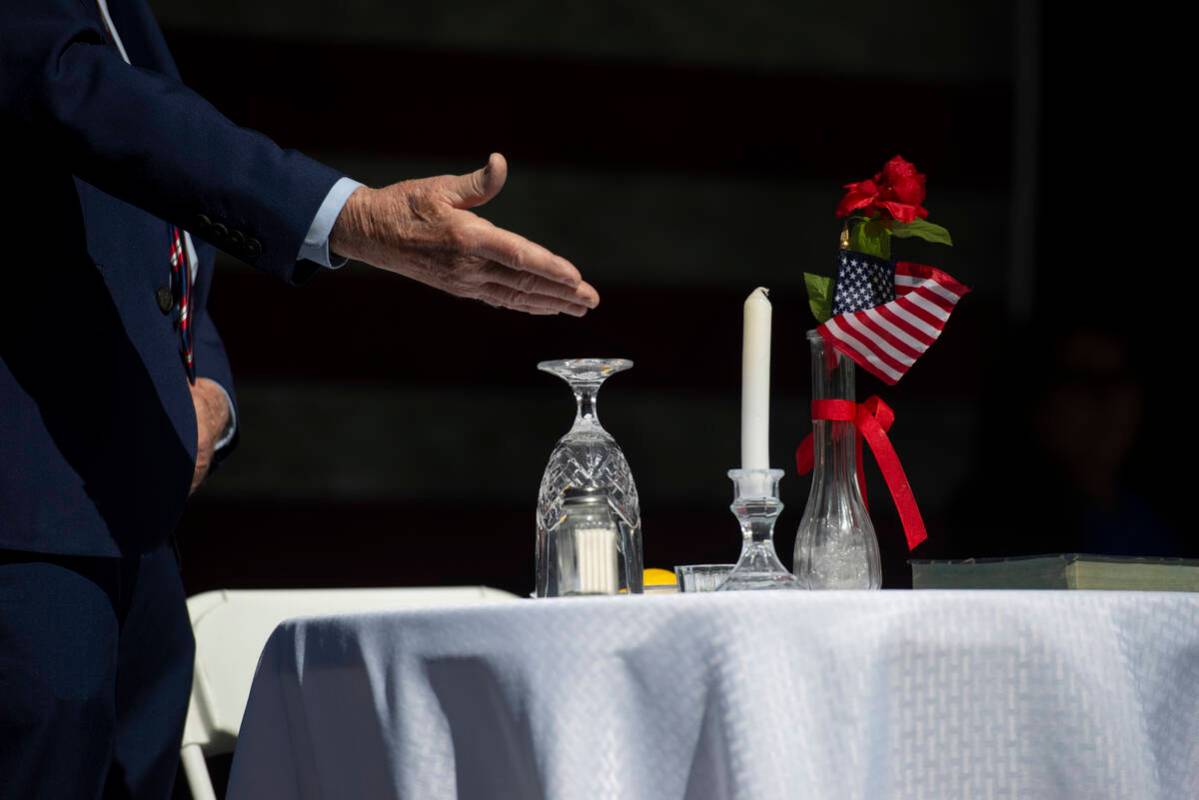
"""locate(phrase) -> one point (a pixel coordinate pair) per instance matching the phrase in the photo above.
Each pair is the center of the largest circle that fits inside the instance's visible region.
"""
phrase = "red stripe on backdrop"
(623, 113)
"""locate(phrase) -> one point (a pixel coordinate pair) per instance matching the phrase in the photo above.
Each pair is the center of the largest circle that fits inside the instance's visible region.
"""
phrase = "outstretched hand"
(423, 230)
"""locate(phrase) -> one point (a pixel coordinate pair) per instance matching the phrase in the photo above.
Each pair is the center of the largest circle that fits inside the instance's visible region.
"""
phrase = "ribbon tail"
(862, 474)
(804, 456)
(897, 479)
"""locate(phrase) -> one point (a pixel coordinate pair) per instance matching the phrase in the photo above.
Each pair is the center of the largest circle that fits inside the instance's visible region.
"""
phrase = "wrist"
(353, 225)
(215, 406)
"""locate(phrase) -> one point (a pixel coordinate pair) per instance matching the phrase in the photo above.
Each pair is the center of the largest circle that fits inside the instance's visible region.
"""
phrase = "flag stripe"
(915, 346)
(927, 290)
(925, 272)
(872, 361)
(888, 312)
(853, 355)
(913, 316)
(872, 321)
(882, 347)
(883, 331)
(918, 311)
(950, 297)
(920, 298)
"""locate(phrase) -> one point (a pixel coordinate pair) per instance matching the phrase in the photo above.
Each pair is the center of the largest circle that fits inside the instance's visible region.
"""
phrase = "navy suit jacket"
(97, 426)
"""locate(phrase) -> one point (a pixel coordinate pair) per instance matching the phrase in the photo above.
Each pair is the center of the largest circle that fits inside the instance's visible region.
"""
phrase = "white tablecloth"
(753, 695)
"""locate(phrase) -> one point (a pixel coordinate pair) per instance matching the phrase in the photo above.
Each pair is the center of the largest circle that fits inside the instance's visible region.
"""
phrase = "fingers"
(525, 308)
(495, 294)
(530, 283)
(518, 253)
(497, 244)
(480, 186)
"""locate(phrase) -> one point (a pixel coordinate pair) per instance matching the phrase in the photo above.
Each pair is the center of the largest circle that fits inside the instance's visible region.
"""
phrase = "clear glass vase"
(587, 458)
(836, 547)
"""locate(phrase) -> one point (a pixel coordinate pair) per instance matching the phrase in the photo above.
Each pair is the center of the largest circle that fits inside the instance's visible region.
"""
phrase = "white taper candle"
(755, 381)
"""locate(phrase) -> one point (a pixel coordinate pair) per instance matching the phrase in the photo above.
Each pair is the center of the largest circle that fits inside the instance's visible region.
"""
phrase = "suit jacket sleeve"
(211, 360)
(149, 140)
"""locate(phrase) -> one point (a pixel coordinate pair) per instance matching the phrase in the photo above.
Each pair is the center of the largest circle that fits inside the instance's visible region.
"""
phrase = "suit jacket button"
(166, 301)
(220, 232)
(237, 238)
(204, 221)
(253, 247)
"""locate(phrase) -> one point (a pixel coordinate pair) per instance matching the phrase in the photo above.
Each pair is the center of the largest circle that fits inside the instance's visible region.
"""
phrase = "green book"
(1064, 571)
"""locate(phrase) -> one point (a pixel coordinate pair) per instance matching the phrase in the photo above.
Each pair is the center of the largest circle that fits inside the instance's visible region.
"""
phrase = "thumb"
(478, 187)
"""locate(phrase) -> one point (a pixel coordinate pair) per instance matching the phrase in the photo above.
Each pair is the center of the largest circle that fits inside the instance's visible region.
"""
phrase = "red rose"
(898, 167)
(858, 195)
(898, 190)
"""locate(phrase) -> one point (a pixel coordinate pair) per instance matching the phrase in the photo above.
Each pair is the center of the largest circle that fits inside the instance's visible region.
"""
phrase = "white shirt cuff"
(316, 243)
(231, 427)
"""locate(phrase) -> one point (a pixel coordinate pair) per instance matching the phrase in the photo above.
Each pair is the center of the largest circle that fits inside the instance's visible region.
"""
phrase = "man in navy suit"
(115, 392)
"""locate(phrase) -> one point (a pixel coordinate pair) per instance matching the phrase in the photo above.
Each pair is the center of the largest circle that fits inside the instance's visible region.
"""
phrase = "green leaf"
(870, 236)
(820, 296)
(922, 229)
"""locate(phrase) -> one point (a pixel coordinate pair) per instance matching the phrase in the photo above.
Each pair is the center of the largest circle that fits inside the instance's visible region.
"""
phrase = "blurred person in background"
(1089, 413)
(1058, 472)
(116, 397)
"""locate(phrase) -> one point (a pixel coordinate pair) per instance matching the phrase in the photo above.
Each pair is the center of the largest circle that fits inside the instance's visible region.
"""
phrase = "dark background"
(680, 155)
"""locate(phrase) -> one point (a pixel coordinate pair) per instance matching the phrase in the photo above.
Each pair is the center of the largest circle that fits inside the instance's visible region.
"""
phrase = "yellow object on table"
(659, 581)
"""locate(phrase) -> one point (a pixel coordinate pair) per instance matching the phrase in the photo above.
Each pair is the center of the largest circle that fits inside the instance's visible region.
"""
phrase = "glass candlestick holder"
(757, 506)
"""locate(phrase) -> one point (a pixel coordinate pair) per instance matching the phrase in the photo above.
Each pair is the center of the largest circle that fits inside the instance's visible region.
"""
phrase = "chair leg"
(197, 773)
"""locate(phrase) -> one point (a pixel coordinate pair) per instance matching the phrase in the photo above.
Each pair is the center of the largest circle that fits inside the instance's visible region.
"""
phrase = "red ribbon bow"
(872, 419)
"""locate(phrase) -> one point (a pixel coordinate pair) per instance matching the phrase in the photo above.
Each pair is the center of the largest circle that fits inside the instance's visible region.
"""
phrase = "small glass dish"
(702, 577)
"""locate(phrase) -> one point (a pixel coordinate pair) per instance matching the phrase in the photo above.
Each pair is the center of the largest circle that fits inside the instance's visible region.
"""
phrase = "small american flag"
(887, 314)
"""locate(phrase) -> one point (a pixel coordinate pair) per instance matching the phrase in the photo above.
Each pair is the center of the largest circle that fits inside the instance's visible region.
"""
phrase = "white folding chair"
(232, 627)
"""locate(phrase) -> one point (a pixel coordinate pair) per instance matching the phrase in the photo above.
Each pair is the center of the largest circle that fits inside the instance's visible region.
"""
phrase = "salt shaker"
(587, 545)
